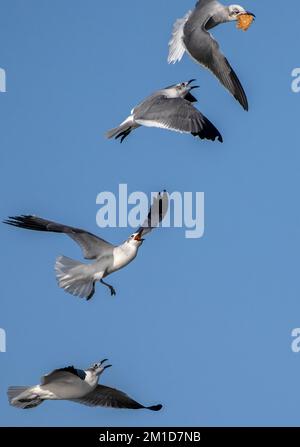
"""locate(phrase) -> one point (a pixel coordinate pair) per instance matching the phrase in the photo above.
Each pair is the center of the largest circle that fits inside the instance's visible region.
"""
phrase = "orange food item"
(244, 21)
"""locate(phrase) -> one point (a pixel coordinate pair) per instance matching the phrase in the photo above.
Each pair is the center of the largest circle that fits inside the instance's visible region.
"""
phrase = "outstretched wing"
(180, 115)
(68, 374)
(205, 50)
(157, 213)
(91, 245)
(104, 396)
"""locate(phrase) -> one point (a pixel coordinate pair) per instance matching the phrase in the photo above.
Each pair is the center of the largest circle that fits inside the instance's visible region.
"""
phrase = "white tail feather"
(22, 397)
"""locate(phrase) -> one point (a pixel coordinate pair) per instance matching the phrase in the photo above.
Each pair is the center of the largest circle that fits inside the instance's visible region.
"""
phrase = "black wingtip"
(161, 193)
(22, 221)
(239, 93)
(208, 132)
(155, 407)
(236, 88)
(13, 220)
(244, 103)
(242, 99)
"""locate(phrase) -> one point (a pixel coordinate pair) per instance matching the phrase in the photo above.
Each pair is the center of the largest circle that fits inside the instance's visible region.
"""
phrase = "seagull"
(78, 278)
(169, 108)
(75, 385)
(191, 34)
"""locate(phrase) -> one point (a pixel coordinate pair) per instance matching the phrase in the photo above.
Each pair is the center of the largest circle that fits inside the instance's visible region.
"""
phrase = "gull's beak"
(107, 366)
(138, 236)
(251, 14)
(191, 87)
(103, 361)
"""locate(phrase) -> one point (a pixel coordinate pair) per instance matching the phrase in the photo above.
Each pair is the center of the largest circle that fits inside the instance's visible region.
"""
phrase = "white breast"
(122, 256)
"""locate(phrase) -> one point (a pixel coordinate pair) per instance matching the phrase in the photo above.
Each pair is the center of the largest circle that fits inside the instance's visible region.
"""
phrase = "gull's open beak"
(138, 236)
(107, 366)
(193, 86)
(103, 361)
(248, 13)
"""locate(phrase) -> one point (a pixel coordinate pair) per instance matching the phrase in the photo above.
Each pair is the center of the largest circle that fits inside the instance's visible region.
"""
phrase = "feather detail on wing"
(105, 396)
(179, 115)
(176, 44)
(91, 245)
(157, 213)
(69, 374)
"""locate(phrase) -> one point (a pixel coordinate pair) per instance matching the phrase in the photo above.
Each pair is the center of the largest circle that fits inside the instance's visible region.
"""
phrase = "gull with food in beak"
(191, 34)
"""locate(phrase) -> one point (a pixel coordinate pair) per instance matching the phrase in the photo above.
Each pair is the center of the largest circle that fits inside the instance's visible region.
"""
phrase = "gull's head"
(180, 90)
(98, 368)
(136, 239)
(235, 11)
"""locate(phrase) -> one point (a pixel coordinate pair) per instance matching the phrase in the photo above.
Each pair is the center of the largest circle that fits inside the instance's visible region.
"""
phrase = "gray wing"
(69, 375)
(91, 245)
(104, 396)
(157, 212)
(179, 115)
(200, 14)
(205, 50)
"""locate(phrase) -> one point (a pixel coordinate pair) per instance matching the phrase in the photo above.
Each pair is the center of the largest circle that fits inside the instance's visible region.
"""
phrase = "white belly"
(121, 258)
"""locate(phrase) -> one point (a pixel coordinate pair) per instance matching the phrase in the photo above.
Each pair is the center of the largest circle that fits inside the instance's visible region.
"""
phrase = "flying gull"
(169, 108)
(79, 279)
(75, 385)
(191, 34)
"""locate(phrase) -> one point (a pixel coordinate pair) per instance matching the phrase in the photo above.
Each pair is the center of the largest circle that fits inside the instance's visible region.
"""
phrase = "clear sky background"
(201, 326)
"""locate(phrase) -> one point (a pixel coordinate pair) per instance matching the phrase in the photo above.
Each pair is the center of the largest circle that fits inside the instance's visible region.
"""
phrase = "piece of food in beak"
(244, 21)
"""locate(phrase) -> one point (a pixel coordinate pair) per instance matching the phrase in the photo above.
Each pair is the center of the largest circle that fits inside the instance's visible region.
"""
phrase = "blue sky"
(202, 326)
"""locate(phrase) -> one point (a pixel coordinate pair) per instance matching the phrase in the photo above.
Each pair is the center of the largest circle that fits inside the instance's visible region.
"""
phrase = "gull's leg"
(124, 134)
(112, 290)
